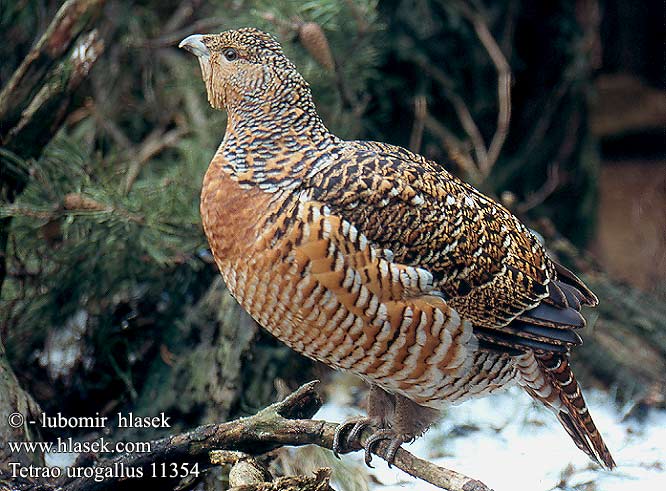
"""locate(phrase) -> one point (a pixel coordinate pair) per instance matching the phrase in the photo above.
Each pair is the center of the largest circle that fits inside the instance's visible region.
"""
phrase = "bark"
(15, 401)
(72, 19)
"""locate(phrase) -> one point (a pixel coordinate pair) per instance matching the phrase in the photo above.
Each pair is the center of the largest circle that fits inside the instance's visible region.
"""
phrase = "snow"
(64, 348)
(512, 445)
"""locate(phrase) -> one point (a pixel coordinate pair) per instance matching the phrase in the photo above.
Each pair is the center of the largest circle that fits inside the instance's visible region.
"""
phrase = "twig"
(539, 196)
(173, 38)
(158, 140)
(503, 85)
(503, 91)
(283, 423)
(553, 180)
(107, 124)
(485, 157)
(181, 14)
(536, 137)
(454, 147)
(420, 113)
(359, 16)
(506, 39)
(462, 111)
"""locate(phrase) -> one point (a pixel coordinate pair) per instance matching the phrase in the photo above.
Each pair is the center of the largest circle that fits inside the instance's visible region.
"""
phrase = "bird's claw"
(358, 424)
(395, 441)
(355, 433)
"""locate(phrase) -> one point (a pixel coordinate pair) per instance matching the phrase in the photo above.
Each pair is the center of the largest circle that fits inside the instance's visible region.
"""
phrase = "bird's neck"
(274, 145)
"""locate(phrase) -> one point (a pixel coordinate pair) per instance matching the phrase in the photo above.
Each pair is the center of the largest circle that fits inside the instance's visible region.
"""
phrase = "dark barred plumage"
(375, 260)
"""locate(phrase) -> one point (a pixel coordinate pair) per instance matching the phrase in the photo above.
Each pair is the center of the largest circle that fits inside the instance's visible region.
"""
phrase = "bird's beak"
(194, 44)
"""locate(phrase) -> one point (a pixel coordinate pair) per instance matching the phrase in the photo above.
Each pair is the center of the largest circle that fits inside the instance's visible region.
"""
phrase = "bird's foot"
(354, 426)
(395, 440)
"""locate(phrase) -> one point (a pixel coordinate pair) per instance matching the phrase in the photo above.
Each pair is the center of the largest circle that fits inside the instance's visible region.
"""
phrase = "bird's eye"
(230, 54)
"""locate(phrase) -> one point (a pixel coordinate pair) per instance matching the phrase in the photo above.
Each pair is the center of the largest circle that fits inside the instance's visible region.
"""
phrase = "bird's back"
(485, 261)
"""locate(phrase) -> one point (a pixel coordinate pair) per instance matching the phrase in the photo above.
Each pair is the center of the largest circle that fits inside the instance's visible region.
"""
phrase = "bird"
(377, 261)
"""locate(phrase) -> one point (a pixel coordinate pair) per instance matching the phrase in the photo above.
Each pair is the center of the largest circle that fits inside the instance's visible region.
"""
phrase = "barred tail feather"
(548, 378)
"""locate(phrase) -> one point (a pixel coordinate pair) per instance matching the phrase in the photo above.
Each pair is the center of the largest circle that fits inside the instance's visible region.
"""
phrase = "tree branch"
(503, 88)
(503, 84)
(456, 149)
(462, 112)
(70, 21)
(42, 117)
(420, 113)
(485, 157)
(540, 195)
(283, 423)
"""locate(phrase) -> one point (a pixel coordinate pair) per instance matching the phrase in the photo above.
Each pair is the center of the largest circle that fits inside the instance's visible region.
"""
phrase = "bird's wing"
(488, 265)
(366, 312)
(491, 269)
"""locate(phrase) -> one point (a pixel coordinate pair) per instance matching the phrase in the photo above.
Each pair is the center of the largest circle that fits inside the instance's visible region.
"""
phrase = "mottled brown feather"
(375, 260)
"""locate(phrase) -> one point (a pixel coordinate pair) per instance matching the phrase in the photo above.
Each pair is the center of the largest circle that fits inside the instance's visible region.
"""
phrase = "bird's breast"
(232, 215)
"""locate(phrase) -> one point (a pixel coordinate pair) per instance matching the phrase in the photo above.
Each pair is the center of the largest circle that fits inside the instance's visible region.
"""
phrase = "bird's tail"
(548, 378)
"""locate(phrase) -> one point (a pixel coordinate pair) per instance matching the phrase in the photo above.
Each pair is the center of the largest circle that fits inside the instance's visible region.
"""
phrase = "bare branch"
(539, 196)
(462, 111)
(420, 113)
(503, 84)
(359, 16)
(172, 38)
(553, 180)
(283, 423)
(107, 124)
(454, 147)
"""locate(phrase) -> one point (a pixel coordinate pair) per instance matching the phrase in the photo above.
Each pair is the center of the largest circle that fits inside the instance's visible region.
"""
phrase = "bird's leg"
(410, 420)
(380, 408)
(393, 417)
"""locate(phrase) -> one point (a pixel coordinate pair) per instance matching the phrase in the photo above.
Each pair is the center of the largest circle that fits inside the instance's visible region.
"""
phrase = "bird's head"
(245, 67)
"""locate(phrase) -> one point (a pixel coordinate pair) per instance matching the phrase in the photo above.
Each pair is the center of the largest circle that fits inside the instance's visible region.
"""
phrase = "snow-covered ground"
(511, 445)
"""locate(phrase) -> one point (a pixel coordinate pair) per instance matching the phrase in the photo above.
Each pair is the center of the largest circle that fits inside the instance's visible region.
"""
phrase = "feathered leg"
(394, 417)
